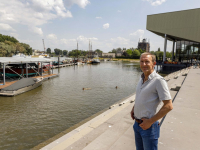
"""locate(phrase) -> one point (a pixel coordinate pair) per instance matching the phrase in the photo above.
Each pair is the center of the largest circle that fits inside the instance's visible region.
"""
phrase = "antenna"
(89, 44)
(44, 45)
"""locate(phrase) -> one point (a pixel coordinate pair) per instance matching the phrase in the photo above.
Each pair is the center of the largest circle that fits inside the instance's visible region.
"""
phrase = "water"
(33, 117)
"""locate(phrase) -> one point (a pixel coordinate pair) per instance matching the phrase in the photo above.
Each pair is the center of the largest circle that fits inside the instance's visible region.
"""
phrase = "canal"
(28, 119)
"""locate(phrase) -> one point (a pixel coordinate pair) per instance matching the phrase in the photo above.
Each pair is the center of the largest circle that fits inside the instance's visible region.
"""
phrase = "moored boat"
(21, 86)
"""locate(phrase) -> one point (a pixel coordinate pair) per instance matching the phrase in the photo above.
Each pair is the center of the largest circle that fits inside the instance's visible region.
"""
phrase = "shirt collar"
(151, 76)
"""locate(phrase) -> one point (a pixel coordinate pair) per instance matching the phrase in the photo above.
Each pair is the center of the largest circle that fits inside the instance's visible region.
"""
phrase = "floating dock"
(113, 129)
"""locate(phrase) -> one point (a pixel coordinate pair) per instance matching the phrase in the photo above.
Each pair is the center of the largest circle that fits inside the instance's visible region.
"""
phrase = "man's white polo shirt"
(149, 95)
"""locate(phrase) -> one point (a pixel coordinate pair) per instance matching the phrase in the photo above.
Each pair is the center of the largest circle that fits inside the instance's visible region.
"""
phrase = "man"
(151, 90)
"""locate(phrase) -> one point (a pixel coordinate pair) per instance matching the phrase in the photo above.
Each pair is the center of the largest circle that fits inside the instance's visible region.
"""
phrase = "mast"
(77, 50)
(44, 46)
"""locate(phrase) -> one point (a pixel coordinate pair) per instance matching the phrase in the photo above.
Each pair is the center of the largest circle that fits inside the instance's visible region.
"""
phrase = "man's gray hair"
(152, 56)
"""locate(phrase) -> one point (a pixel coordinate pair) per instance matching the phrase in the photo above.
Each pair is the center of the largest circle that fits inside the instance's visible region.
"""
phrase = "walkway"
(112, 130)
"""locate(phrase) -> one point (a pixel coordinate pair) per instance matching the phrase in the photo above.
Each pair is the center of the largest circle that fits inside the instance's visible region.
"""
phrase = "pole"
(41, 70)
(4, 76)
(52, 67)
(165, 48)
(58, 62)
(44, 46)
(38, 68)
(173, 50)
(26, 70)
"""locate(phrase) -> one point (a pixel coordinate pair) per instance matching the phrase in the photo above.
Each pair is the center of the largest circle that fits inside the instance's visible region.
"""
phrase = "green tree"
(65, 52)
(152, 52)
(168, 55)
(129, 52)
(58, 51)
(136, 53)
(99, 52)
(159, 49)
(48, 51)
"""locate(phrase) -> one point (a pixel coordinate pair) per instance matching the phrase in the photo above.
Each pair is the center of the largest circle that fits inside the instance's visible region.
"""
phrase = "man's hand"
(132, 114)
(146, 124)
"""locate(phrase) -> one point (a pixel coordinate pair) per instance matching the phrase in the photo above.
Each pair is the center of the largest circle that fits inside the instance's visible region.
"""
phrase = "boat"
(21, 86)
(16, 70)
(95, 61)
(89, 61)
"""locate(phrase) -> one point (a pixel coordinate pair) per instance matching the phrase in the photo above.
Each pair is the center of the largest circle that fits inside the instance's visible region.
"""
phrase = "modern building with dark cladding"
(181, 27)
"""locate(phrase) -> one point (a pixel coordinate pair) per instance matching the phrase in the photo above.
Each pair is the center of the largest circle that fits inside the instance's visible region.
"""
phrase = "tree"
(159, 49)
(119, 50)
(141, 51)
(99, 52)
(168, 55)
(136, 53)
(48, 51)
(58, 51)
(129, 52)
(152, 52)
(65, 52)
(113, 51)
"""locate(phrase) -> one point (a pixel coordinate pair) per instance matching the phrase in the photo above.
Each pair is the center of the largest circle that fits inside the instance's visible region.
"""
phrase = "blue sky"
(107, 24)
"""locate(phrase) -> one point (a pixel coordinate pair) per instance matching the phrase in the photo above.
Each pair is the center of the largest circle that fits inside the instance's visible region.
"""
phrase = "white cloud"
(155, 2)
(52, 37)
(32, 14)
(120, 41)
(80, 3)
(15, 35)
(98, 17)
(37, 12)
(6, 27)
(106, 26)
(80, 38)
(139, 33)
(36, 30)
(51, 5)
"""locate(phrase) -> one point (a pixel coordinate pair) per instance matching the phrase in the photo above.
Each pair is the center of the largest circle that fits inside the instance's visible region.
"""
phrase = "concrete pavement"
(112, 130)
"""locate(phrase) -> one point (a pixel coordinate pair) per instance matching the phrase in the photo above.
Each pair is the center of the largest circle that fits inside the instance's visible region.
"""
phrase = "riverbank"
(113, 128)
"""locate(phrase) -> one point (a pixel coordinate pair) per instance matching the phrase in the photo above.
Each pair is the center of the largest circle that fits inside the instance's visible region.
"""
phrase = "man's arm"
(162, 112)
(132, 113)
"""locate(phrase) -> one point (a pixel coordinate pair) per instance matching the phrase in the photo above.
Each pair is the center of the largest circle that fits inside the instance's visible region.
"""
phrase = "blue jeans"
(147, 139)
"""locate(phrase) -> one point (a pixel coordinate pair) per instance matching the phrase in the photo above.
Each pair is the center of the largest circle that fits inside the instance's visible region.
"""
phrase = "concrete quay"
(113, 129)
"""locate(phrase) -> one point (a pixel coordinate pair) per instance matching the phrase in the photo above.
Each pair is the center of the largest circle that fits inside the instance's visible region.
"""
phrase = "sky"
(107, 24)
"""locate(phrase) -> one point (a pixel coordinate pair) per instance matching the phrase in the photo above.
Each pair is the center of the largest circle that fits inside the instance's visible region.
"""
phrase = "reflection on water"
(33, 117)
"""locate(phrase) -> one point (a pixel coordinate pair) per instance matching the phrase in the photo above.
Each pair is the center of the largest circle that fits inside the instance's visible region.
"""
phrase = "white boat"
(95, 60)
(21, 86)
(79, 63)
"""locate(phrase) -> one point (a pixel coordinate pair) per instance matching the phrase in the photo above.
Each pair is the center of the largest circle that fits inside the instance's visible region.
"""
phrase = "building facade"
(108, 55)
(144, 45)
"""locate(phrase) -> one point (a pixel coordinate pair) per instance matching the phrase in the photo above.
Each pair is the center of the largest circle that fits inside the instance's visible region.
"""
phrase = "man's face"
(146, 64)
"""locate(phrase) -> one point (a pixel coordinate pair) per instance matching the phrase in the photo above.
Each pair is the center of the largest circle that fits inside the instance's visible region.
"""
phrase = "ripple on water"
(33, 117)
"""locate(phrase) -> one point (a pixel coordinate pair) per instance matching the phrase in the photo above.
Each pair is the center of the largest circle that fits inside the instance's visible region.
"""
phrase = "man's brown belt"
(139, 121)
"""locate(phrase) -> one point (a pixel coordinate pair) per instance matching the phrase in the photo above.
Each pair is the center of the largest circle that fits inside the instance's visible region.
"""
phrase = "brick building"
(144, 45)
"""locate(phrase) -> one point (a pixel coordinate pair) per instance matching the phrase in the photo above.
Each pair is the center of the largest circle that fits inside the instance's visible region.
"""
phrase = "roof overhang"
(180, 25)
(20, 60)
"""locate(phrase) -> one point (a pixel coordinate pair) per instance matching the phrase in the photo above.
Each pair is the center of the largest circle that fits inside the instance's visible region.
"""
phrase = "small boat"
(95, 61)
(89, 61)
(21, 86)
